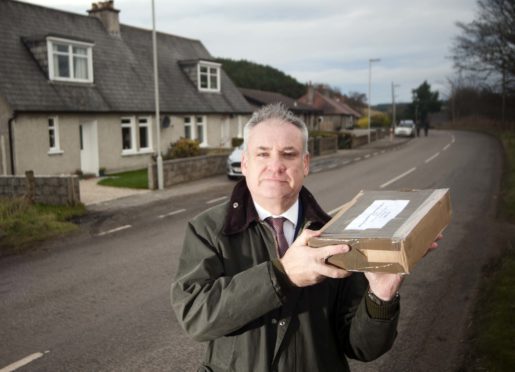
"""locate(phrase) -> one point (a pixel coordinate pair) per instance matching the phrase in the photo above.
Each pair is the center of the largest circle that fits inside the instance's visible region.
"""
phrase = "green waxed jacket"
(228, 293)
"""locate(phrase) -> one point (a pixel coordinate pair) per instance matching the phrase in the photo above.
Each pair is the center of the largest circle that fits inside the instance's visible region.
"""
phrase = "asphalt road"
(99, 301)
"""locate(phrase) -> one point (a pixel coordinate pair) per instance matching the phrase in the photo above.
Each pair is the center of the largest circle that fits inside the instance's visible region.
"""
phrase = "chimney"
(311, 93)
(108, 15)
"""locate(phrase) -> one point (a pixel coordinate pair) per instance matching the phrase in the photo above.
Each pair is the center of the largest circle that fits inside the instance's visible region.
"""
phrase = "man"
(261, 309)
(425, 125)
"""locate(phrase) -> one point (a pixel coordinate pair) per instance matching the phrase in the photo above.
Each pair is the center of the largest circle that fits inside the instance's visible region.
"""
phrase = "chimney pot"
(108, 15)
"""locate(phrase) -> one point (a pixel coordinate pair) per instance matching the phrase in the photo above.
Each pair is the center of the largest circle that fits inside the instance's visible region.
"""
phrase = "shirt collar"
(241, 212)
(292, 214)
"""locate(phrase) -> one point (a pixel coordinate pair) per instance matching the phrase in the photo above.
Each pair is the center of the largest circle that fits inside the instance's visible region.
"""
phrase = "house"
(77, 92)
(337, 114)
(259, 98)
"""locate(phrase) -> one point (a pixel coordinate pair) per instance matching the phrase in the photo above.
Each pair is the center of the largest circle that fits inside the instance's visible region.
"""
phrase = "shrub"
(183, 148)
(235, 141)
(378, 120)
(321, 133)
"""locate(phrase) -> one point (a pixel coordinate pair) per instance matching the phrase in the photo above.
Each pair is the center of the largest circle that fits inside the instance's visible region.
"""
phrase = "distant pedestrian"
(425, 125)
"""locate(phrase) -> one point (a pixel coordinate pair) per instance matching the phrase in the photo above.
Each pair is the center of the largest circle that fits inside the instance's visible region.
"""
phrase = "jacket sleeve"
(363, 337)
(208, 302)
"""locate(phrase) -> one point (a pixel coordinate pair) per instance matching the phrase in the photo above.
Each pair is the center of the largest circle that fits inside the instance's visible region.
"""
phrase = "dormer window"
(70, 60)
(208, 76)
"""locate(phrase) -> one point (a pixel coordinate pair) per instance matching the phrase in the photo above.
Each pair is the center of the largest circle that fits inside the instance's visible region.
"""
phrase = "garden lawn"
(134, 179)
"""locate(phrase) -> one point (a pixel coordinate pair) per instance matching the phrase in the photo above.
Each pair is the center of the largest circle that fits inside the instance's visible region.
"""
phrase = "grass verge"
(493, 321)
(134, 179)
(507, 206)
(23, 223)
(493, 329)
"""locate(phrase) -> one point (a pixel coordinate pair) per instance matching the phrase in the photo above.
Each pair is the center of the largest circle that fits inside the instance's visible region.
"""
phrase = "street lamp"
(370, 61)
(394, 123)
(160, 183)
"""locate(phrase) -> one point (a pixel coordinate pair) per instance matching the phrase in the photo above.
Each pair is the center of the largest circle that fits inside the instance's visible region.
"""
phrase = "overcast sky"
(325, 41)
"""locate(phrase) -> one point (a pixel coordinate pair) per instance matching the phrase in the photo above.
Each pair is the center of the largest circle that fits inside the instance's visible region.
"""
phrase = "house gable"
(261, 98)
(328, 105)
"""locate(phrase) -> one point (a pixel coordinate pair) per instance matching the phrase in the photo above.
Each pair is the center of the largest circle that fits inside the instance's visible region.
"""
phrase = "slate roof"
(329, 105)
(259, 98)
(123, 67)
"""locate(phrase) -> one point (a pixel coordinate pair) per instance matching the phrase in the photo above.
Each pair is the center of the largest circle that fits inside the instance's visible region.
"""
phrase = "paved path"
(92, 193)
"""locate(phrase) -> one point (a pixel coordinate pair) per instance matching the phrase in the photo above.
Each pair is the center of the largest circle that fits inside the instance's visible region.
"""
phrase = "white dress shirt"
(291, 215)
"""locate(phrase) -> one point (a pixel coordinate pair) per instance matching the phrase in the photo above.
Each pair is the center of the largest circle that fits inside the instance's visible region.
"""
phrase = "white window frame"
(148, 125)
(202, 125)
(56, 149)
(51, 41)
(209, 66)
(190, 125)
(194, 124)
(132, 127)
(134, 124)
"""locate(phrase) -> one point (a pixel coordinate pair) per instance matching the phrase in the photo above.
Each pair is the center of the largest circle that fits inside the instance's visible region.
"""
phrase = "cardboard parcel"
(388, 231)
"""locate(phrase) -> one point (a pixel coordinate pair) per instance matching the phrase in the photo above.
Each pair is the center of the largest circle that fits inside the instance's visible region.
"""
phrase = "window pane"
(199, 119)
(187, 120)
(203, 81)
(214, 82)
(80, 67)
(51, 133)
(80, 51)
(80, 138)
(187, 132)
(213, 70)
(143, 137)
(61, 67)
(51, 137)
(200, 133)
(126, 138)
(203, 69)
(60, 48)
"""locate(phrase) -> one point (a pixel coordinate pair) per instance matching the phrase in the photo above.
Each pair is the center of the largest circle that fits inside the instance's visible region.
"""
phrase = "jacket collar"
(241, 211)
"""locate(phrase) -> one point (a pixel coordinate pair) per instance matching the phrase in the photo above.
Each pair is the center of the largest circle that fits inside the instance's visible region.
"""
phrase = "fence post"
(30, 186)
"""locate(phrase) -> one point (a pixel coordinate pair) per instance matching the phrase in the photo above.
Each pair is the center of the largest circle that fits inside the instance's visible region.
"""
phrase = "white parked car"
(233, 164)
(406, 128)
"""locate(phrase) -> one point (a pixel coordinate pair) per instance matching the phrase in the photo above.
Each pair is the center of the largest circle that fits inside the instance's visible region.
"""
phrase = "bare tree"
(357, 100)
(326, 89)
(486, 46)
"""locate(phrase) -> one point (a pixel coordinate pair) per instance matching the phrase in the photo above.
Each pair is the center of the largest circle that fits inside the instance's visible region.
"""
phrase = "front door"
(89, 162)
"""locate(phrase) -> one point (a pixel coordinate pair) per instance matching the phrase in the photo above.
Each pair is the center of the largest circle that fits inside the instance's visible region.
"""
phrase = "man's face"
(274, 164)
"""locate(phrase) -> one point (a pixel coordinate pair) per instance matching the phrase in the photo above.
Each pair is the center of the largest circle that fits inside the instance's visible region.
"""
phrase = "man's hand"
(307, 266)
(434, 245)
(385, 285)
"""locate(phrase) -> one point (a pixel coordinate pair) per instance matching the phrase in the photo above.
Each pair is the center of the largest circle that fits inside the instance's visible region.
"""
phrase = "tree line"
(250, 75)
(484, 59)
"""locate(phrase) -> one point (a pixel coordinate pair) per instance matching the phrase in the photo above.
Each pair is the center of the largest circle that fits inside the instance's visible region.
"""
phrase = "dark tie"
(277, 225)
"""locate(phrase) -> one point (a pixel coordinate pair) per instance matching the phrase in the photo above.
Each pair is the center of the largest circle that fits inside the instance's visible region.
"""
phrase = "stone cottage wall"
(42, 189)
(187, 169)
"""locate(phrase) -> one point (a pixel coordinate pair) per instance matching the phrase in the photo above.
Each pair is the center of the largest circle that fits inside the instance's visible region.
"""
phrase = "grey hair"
(276, 111)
